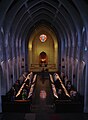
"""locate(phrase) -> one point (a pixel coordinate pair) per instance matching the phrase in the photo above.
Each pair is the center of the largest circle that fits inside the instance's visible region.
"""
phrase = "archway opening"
(43, 58)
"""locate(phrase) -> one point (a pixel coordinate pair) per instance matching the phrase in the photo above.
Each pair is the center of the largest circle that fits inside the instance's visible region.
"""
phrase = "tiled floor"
(42, 97)
(43, 116)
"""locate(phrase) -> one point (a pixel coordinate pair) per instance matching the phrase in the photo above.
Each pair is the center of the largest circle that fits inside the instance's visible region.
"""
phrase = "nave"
(42, 92)
(43, 33)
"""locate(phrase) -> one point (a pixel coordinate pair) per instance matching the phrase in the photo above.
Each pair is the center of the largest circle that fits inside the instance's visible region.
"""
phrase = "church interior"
(44, 59)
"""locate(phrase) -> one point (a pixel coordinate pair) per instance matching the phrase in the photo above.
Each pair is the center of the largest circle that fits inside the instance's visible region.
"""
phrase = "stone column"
(0, 91)
(86, 87)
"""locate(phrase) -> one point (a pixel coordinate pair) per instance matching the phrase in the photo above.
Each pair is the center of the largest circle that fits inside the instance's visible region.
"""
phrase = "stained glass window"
(43, 38)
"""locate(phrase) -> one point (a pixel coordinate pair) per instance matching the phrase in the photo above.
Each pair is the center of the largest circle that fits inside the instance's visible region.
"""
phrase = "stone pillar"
(0, 91)
(86, 88)
(78, 69)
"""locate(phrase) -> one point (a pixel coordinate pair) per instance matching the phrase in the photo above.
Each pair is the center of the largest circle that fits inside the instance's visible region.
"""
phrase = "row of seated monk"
(24, 86)
(59, 91)
(74, 95)
(20, 89)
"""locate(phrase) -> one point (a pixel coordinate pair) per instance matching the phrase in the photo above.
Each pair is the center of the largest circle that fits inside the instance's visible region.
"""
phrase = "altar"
(40, 67)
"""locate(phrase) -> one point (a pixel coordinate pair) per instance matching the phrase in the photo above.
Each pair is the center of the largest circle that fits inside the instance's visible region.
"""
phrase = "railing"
(66, 92)
(43, 65)
(32, 86)
(53, 86)
(28, 77)
(51, 78)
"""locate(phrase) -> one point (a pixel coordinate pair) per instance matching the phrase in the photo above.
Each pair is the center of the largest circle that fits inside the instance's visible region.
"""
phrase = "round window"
(43, 38)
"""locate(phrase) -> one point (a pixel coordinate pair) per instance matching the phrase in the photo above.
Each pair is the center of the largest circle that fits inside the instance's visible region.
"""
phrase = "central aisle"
(42, 89)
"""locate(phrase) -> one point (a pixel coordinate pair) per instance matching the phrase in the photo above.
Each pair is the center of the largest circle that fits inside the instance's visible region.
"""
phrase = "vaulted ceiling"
(18, 18)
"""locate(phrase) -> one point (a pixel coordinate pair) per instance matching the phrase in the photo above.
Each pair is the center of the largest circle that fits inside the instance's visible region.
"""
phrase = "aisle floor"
(43, 116)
